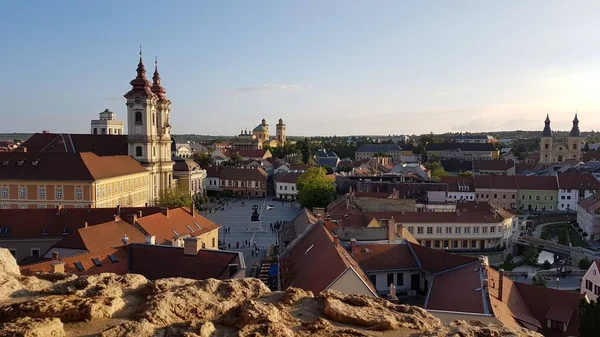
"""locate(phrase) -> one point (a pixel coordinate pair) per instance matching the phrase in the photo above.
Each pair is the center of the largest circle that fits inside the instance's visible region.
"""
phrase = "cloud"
(273, 87)
(441, 93)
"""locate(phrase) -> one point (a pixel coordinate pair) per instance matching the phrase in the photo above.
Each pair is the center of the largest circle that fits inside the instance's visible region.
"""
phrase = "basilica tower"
(280, 132)
(149, 137)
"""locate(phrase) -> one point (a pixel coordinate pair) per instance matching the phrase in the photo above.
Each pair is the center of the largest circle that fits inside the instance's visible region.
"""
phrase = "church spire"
(140, 85)
(547, 130)
(575, 129)
(157, 88)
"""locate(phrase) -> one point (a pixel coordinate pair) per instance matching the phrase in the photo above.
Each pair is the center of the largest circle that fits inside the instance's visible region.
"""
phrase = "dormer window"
(20, 162)
(5, 162)
(45, 230)
(35, 163)
(66, 230)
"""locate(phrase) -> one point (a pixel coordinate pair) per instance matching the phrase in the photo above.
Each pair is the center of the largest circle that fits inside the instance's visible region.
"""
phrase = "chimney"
(319, 212)
(57, 267)
(139, 214)
(191, 245)
(457, 212)
(193, 210)
(59, 208)
(55, 255)
(165, 211)
(500, 284)
(336, 240)
(353, 248)
(391, 231)
(151, 240)
(119, 210)
(85, 224)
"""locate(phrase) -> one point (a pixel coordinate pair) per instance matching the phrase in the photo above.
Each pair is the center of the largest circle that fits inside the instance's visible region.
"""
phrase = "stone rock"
(130, 329)
(8, 264)
(179, 300)
(252, 312)
(293, 295)
(266, 330)
(33, 327)
(68, 308)
(105, 284)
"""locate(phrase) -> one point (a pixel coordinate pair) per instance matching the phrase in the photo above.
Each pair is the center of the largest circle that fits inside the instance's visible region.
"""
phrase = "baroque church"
(259, 137)
(149, 128)
(557, 150)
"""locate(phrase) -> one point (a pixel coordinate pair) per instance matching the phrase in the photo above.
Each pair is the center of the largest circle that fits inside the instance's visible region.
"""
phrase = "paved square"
(237, 217)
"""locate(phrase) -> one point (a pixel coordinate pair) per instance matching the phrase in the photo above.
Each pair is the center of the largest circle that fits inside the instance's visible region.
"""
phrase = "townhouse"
(459, 188)
(574, 187)
(368, 151)
(588, 216)
(190, 177)
(537, 193)
(285, 185)
(245, 182)
(499, 191)
(436, 151)
(590, 282)
(73, 180)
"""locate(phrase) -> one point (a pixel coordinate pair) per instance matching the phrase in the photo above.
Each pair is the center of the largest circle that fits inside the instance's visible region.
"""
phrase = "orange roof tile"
(107, 266)
(179, 223)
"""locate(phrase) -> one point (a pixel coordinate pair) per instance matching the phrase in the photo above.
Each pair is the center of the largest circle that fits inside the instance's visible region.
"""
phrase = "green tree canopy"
(465, 174)
(589, 324)
(173, 199)
(539, 280)
(585, 263)
(314, 190)
(437, 170)
(531, 255)
(203, 159)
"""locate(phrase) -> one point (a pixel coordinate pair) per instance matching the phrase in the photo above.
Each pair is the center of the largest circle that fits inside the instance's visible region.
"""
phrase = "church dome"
(259, 128)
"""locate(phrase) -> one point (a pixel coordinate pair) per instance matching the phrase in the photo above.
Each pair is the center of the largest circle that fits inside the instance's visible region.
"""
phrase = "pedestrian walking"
(238, 245)
(229, 246)
(252, 252)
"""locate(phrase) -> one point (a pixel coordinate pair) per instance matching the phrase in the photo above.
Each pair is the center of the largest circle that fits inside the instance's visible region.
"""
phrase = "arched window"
(138, 117)
(153, 119)
(138, 151)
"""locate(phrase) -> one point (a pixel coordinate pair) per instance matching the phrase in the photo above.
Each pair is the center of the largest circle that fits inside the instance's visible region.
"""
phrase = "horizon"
(326, 68)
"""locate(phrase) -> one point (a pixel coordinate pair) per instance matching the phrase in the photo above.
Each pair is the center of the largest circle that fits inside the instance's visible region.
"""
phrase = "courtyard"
(236, 216)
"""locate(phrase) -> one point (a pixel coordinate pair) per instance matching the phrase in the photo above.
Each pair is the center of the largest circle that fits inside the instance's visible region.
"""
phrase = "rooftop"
(379, 148)
(102, 145)
(180, 222)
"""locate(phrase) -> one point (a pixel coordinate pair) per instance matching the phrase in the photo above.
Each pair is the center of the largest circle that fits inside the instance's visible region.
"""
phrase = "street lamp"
(557, 279)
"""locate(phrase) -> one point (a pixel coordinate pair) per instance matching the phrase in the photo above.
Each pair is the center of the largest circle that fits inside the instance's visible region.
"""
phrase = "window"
(138, 118)
(568, 197)
(465, 244)
(213, 242)
(495, 196)
(476, 230)
(436, 243)
(113, 258)
(446, 244)
(562, 197)
(457, 230)
(546, 146)
(523, 196)
(138, 151)
(448, 230)
(4, 206)
(493, 229)
(22, 193)
(4, 193)
(588, 285)
(399, 279)
(438, 230)
(22, 206)
(419, 230)
(455, 243)
(551, 198)
(59, 193)
(79, 266)
(45, 230)
(574, 146)
(483, 230)
(503, 196)
(41, 193)
(78, 193)
(390, 279)
(153, 119)
(41, 206)
(429, 230)
(513, 196)
(467, 230)
(373, 279)
(35, 252)
(411, 230)
(67, 230)
(95, 131)
(596, 290)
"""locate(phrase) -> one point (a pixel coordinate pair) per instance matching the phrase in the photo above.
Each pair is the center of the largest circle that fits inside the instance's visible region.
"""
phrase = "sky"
(327, 67)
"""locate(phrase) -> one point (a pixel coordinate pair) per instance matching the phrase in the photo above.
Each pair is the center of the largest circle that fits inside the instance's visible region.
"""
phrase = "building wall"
(462, 236)
(350, 283)
(504, 198)
(537, 200)
(465, 154)
(212, 184)
(592, 275)
(23, 247)
(454, 196)
(403, 286)
(568, 198)
(45, 194)
(286, 190)
(209, 238)
(395, 155)
(590, 223)
(556, 151)
(129, 191)
(191, 183)
(245, 187)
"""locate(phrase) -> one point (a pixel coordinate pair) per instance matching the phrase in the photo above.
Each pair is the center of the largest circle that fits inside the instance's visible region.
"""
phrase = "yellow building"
(554, 150)
(259, 137)
(73, 180)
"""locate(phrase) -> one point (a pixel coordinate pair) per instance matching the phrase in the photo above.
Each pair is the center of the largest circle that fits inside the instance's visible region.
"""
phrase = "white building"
(212, 181)
(574, 187)
(285, 185)
(590, 282)
(588, 216)
(460, 188)
(149, 129)
(107, 124)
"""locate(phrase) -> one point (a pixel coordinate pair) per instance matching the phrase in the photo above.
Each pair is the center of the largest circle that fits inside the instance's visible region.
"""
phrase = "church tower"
(280, 132)
(546, 143)
(575, 140)
(149, 138)
(264, 123)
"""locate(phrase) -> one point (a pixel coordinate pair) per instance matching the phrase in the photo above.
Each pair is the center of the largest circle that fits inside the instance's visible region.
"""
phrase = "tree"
(530, 256)
(586, 147)
(437, 170)
(546, 265)
(203, 159)
(585, 263)
(305, 150)
(233, 161)
(314, 190)
(465, 174)
(539, 280)
(344, 169)
(172, 199)
(589, 324)
(328, 169)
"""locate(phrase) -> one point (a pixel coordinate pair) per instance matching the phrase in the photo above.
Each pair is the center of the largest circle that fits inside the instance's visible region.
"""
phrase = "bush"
(585, 263)
(546, 265)
(539, 281)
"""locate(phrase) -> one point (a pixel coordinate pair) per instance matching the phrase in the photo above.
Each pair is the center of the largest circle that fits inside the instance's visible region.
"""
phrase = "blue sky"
(325, 67)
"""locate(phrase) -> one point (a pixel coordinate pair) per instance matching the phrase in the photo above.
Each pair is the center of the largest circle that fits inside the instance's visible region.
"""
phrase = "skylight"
(20, 162)
(190, 228)
(79, 266)
(113, 258)
(5, 230)
(67, 230)
(176, 234)
(97, 262)
(197, 226)
(45, 230)
(5, 162)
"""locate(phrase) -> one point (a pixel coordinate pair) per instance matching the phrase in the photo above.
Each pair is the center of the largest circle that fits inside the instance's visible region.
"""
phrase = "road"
(237, 217)
(564, 283)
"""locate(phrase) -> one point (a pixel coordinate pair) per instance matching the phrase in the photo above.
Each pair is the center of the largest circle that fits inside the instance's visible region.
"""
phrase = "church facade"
(149, 129)
(557, 150)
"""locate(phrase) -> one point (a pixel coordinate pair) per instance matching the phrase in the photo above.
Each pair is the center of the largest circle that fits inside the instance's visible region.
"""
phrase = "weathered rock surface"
(111, 305)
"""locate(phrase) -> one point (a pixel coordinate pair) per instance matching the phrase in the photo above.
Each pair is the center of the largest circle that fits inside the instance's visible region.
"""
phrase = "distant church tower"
(148, 125)
(280, 132)
(107, 124)
(558, 150)
(264, 123)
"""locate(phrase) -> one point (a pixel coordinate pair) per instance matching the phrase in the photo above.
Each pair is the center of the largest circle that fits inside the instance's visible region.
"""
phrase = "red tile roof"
(317, 244)
(179, 223)
(578, 181)
(496, 182)
(492, 165)
(235, 173)
(119, 267)
(372, 257)
(537, 182)
(65, 166)
(435, 261)
(108, 234)
(458, 289)
(102, 145)
(455, 182)
(155, 261)
(252, 153)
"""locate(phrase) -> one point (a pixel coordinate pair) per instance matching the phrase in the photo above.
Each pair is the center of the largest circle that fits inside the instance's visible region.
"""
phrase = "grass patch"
(577, 240)
(557, 233)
